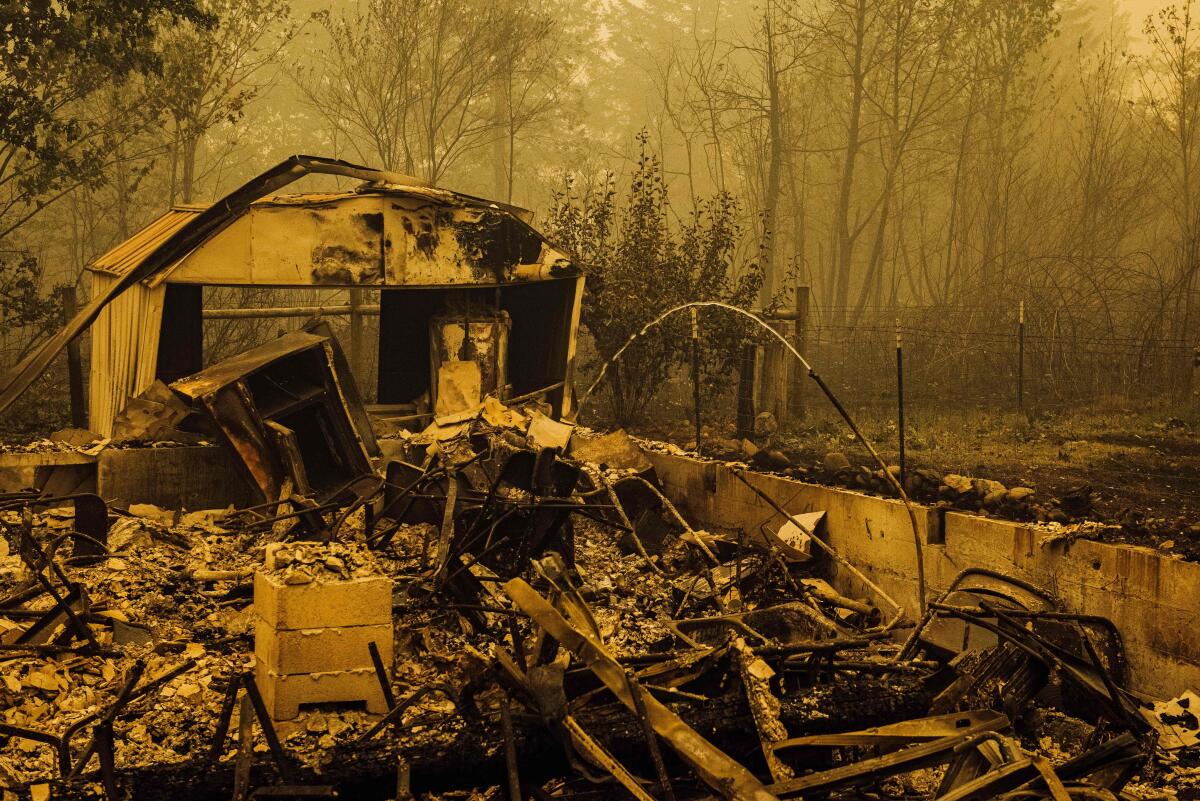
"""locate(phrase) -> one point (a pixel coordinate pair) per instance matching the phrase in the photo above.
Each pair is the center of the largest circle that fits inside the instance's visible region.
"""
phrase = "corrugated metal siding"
(124, 349)
(128, 254)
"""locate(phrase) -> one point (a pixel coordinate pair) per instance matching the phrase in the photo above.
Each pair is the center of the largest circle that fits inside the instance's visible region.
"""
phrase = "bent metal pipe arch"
(912, 517)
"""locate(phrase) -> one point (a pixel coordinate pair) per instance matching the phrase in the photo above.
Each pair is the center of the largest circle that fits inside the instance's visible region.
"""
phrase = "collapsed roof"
(393, 231)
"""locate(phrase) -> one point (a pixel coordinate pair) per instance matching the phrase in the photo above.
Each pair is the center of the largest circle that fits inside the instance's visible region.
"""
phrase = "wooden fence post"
(74, 363)
(774, 376)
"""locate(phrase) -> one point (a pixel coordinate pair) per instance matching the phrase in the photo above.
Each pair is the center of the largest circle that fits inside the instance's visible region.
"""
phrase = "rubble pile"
(558, 627)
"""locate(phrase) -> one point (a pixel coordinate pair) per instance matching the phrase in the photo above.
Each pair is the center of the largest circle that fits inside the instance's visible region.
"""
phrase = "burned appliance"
(285, 409)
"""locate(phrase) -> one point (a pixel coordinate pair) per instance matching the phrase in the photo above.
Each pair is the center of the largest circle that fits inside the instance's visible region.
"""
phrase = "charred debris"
(502, 604)
(474, 598)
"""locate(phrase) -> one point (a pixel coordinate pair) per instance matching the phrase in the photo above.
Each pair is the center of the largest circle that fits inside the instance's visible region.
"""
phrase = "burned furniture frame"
(485, 525)
(283, 409)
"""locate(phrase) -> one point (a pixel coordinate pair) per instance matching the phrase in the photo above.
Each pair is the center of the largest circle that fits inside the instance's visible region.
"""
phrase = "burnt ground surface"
(1141, 463)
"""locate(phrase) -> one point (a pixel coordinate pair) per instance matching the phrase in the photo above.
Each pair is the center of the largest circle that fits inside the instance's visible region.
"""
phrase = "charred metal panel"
(308, 240)
(494, 244)
(453, 245)
(291, 385)
(419, 252)
(350, 252)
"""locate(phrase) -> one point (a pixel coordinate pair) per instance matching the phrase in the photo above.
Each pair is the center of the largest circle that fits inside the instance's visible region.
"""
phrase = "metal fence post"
(1021, 358)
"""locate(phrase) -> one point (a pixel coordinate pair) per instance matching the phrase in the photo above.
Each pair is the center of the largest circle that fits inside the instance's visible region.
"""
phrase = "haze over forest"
(956, 154)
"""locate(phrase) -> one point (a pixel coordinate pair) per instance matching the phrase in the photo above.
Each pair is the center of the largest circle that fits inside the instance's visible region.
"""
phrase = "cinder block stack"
(310, 641)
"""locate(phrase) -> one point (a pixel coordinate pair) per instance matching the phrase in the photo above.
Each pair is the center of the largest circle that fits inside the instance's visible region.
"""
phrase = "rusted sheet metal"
(720, 772)
(372, 238)
(124, 349)
(245, 435)
(243, 364)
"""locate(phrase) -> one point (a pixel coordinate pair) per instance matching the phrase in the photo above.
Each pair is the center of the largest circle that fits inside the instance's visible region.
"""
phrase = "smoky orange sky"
(1140, 8)
(1138, 11)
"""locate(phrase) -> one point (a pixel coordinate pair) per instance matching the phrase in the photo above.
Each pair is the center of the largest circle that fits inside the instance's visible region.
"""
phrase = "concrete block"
(288, 652)
(355, 602)
(284, 695)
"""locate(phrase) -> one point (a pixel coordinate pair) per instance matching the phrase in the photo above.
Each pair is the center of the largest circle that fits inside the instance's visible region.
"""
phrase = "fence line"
(997, 364)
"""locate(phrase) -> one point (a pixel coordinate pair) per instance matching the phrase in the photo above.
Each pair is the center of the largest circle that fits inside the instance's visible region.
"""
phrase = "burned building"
(455, 274)
(495, 602)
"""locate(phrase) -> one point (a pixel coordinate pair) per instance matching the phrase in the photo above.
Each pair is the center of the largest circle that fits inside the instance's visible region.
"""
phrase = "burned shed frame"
(435, 256)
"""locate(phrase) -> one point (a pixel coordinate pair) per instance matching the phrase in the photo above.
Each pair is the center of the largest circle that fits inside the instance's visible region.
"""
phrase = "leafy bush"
(638, 265)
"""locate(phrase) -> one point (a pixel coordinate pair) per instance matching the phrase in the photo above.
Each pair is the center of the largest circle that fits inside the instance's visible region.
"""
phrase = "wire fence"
(1001, 363)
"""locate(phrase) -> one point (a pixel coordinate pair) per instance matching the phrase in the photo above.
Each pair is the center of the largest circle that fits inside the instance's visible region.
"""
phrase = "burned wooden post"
(74, 364)
(357, 341)
(773, 379)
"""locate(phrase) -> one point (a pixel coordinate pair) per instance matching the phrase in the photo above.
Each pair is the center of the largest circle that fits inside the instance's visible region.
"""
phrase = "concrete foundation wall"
(192, 477)
(1154, 600)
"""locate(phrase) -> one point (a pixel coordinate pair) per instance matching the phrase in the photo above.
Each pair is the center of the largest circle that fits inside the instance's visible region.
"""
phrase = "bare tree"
(919, 38)
(1170, 86)
(533, 70)
(211, 73)
(411, 84)
(849, 29)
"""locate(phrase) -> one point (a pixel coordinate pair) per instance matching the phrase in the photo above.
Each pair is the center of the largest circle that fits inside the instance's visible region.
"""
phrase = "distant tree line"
(969, 154)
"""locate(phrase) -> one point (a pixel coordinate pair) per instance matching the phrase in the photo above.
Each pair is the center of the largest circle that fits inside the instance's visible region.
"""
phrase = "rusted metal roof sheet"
(124, 257)
(127, 255)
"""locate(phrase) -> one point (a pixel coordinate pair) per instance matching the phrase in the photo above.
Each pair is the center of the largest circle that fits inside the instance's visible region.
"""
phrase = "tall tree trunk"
(774, 168)
(955, 192)
(843, 256)
(501, 181)
(187, 180)
(873, 279)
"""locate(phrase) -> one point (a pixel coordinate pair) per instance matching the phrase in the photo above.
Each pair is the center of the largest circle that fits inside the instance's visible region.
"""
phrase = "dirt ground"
(1141, 462)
